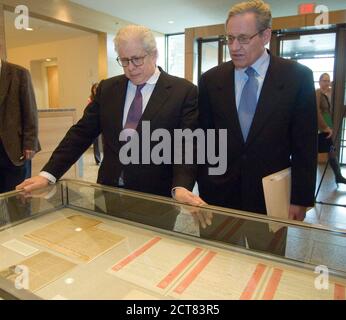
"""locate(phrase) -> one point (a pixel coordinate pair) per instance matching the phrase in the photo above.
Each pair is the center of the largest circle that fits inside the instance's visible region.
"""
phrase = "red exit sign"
(306, 8)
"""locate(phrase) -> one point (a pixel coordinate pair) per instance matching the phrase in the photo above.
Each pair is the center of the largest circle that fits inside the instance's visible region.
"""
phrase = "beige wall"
(78, 67)
(39, 80)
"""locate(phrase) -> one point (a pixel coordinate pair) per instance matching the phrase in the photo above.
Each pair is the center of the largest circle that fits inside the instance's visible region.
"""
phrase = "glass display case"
(76, 240)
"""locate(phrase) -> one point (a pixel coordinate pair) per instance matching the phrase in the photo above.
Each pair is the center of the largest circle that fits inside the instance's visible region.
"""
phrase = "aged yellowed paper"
(40, 270)
(77, 237)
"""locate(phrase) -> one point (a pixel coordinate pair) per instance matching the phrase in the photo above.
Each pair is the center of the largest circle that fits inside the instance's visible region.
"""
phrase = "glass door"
(316, 51)
(210, 54)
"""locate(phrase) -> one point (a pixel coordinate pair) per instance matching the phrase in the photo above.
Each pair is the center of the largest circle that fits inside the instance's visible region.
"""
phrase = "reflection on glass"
(108, 243)
(316, 51)
(251, 233)
(176, 55)
(210, 55)
(226, 55)
(16, 207)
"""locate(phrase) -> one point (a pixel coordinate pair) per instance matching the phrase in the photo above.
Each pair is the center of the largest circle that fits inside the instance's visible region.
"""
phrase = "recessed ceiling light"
(171, 22)
(48, 60)
(69, 280)
(29, 29)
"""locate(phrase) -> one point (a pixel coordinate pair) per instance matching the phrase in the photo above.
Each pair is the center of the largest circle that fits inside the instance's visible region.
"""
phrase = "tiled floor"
(327, 215)
(331, 195)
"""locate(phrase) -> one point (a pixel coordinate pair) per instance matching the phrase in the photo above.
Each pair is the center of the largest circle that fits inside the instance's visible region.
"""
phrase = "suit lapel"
(4, 81)
(120, 96)
(157, 99)
(267, 102)
(227, 101)
(115, 106)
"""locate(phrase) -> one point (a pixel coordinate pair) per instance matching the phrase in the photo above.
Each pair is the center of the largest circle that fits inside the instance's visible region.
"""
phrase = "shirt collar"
(260, 65)
(153, 79)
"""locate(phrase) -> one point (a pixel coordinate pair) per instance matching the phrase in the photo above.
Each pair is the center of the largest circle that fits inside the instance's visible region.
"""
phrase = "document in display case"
(77, 240)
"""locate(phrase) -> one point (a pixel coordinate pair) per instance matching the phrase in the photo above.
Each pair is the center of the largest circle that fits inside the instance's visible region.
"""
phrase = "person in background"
(18, 124)
(96, 143)
(268, 106)
(324, 111)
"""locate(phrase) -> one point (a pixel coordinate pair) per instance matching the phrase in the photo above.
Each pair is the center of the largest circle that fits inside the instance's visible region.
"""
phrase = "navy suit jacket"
(283, 134)
(172, 105)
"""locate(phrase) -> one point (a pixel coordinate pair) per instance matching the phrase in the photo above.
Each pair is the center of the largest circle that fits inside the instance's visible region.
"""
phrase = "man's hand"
(297, 212)
(29, 154)
(32, 184)
(185, 196)
(201, 217)
(329, 131)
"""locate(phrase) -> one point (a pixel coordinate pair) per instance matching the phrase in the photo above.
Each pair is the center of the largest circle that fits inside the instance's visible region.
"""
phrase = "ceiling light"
(29, 29)
(69, 280)
(171, 22)
(48, 60)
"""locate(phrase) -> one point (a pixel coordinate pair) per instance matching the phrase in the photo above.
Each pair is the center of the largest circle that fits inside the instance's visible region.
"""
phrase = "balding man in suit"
(268, 106)
(18, 124)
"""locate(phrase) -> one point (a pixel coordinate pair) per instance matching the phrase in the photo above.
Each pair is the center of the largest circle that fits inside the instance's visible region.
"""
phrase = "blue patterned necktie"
(248, 102)
(136, 109)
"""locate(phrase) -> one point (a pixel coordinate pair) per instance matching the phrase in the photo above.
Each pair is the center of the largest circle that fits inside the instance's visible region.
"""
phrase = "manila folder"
(277, 193)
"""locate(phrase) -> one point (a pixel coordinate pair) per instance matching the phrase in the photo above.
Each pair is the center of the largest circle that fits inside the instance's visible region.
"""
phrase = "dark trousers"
(10, 175)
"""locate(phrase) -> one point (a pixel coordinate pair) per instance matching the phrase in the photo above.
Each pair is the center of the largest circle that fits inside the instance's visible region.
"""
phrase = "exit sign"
(306, 8)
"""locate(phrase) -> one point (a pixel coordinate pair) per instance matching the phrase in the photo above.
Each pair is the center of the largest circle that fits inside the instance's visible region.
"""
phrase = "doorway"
(53, 86)
(323, 51)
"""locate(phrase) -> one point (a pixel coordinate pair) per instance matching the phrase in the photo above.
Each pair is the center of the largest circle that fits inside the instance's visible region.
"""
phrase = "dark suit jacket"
(172, 105)
(18, 112)
(283, 134)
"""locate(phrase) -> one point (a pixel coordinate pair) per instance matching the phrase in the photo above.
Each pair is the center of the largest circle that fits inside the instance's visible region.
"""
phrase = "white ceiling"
(155, 14)
(44, 31)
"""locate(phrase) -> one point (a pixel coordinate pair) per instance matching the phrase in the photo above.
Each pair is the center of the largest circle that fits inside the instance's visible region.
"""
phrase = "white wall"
(39, 80)
(77, 61)
(114, 68)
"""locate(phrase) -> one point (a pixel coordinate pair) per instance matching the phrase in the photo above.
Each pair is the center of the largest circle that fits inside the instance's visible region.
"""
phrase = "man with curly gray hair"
(143, 93)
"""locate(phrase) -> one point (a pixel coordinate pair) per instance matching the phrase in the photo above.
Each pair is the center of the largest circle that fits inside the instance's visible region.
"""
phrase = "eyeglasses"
(136, 61)
(242, 39)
